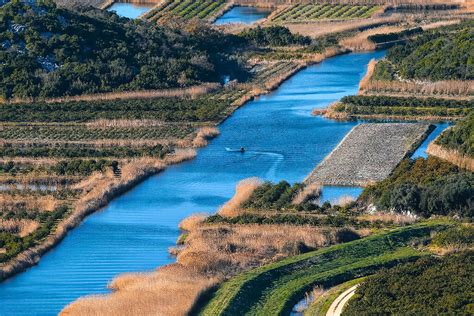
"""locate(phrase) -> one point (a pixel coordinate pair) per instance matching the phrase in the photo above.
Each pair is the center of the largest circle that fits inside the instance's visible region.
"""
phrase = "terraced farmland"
(187, 9)
(314, 12)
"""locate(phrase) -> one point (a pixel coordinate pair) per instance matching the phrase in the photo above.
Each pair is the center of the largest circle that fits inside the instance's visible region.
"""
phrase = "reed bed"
(243, 191)
(451, 156)
(43, 202)
(172, 291)
(225, 250)
(366, 79)
(205, 134)
(193, 91)
(22, 227)
(456, 88)
(310, 192)
(390, 218)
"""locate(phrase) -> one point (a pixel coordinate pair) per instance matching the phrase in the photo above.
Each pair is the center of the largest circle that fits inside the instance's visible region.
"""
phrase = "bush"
(273, 36)
(428, 286)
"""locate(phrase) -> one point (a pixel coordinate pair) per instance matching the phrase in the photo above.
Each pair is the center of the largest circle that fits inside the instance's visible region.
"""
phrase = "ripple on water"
(134, 231)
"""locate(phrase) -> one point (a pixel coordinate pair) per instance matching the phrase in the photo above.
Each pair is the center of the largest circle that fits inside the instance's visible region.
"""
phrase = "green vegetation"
(202, 109)
(429, 286)
(273, 36)
(460, 137)
(47, 52)
(457, 237)
(14, 244)
(441, 54)
(275, 288)
(396, 36)
(359, 105)
(186, 9)
(314, 12)
(321, 305)
(426, 187)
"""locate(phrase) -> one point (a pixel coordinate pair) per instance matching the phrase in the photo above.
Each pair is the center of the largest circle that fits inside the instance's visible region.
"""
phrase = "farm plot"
(314, 12)
(187, 9)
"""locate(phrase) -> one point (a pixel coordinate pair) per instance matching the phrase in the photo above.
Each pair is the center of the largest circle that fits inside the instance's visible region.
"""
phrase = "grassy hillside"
(274, 289)
(48, 51)
(429, 286)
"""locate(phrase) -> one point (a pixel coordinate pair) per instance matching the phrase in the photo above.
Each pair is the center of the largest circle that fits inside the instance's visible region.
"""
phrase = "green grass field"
(275, 288)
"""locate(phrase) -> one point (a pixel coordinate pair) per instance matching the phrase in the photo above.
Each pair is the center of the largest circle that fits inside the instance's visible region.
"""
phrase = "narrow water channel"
(130, 10)
(243, 15)
(133, 233)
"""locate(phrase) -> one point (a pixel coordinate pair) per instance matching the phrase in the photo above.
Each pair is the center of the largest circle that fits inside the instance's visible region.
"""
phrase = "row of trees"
(460, 137)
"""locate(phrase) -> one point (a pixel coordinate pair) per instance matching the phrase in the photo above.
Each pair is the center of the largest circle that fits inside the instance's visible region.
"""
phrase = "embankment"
(451, 156)
(101, 189)
(369, 153)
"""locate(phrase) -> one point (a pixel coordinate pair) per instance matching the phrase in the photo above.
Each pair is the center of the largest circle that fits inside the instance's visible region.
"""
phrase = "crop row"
(75, 150)
(187, 9)
(163, 109)
(309, 12)
(84, 133)
(402, 111)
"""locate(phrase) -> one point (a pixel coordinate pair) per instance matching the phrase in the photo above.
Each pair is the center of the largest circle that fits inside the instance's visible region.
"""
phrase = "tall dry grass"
(310, 192)
(22, 227)
(391, 218)
(224, 250)
(205, 134)
(39, 202)
(243, 191)
(128, 95)
(192, 222)
(170, 291)
(364, 82)
(454, 88)
(345, 200)
(451, 156)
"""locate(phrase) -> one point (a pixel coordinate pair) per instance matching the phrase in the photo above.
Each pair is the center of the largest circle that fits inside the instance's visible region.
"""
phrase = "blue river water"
(134, 231)
(130, 10)
(244, 15)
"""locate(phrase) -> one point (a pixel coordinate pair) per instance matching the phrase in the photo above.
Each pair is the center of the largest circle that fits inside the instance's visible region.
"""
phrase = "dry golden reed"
(170, 291)
(451, 156)
(203, 136)
(310, 192)
(395, 218)
(243, 191)
(22, 227)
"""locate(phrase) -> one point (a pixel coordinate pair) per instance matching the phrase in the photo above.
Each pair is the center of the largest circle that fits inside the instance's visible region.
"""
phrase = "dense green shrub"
(81, 166)
(459, 236)
(388, 101)
(426, 187)
(460, 137)
(395, 36)
(441, 54)
(48, 51)
(429, 286)
(273, 36)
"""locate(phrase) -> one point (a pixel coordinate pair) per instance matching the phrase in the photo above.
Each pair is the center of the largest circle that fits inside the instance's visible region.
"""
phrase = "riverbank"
(32, 256)
(101, 190)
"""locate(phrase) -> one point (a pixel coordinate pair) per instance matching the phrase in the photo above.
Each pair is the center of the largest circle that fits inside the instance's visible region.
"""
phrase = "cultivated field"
(315, 12)
(369, 153)
(187, 9)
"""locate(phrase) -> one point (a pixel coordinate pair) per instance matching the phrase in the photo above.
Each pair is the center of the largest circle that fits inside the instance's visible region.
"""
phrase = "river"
(134, 231)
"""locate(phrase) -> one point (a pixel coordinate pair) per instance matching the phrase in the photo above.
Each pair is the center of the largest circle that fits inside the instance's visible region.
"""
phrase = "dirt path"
(336, 307)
